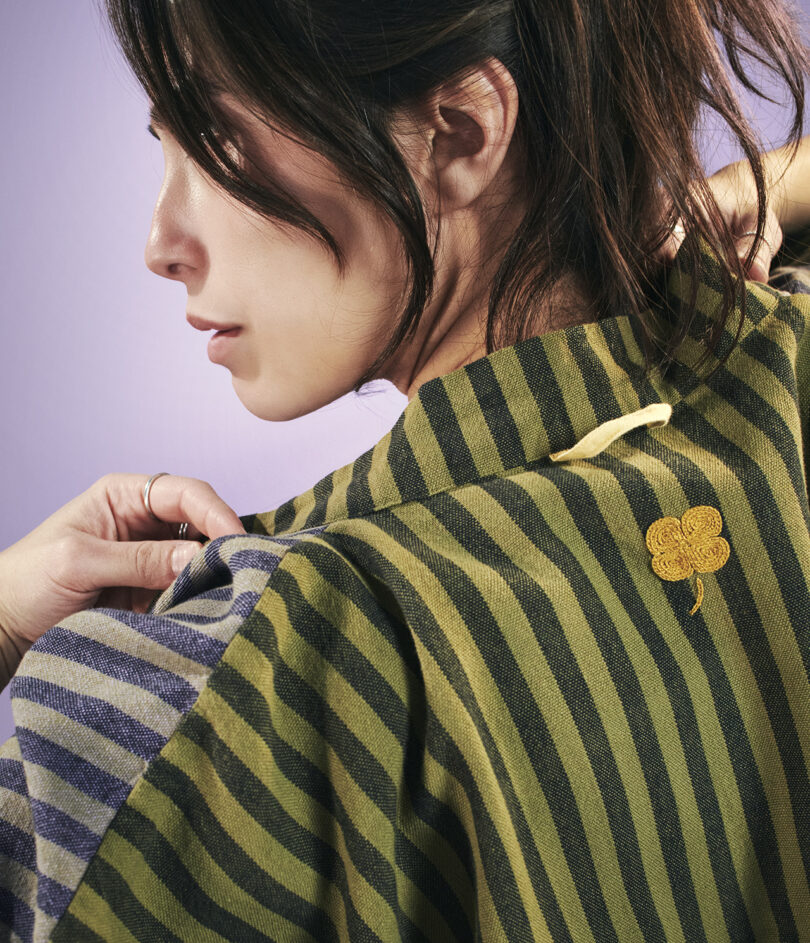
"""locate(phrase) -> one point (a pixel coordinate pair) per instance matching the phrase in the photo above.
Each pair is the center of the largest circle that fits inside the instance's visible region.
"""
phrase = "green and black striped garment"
(532, 668)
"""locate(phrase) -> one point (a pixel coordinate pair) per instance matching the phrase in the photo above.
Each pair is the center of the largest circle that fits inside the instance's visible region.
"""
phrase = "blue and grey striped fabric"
(95, 700)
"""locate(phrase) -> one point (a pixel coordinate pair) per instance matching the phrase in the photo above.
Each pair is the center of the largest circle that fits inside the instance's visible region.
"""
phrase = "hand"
(103, 549)
(734, 190)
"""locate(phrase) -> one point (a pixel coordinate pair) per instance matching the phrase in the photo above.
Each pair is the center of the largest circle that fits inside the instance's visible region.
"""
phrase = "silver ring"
(763, 239)
(146, 488)
(183, 530)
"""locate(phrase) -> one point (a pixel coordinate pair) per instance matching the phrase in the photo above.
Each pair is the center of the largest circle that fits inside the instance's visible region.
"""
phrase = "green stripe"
(108, 881)
(101, 923)
(768, 653)
(674, 658)
(229, 880)
(604, 672)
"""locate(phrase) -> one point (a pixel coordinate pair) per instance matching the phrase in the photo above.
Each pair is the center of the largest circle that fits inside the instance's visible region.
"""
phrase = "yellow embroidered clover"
(682, 547)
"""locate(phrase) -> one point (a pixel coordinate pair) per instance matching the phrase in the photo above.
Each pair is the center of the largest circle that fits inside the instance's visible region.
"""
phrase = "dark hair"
(610, 97)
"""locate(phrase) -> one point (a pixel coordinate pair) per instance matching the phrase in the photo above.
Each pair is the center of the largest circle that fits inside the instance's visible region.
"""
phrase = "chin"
(277, 409)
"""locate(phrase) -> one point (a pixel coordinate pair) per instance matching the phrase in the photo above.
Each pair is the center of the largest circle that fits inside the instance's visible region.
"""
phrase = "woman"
(534, 667)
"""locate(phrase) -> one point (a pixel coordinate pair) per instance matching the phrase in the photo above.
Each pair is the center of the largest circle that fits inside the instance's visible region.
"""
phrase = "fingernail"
(182, 556)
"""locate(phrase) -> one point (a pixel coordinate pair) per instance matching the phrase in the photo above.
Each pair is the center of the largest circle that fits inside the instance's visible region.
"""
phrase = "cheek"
(288, 285)
(375, 275)
(350, 312)
(370, 242)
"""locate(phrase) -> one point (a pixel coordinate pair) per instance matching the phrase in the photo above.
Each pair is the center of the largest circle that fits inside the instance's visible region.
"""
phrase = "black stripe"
(359, 500)
(70, 928)
(447, 432)
(759, 412)
(645, 507)
(594, 375)
(497, 415)
(408, 727)
(405, 469)
(108, 884)
(321, 491)
(248, 791)
(287, 512)
(627, 354)
(252, 524)
(753, 634)
(552, 410)
(507, 900)
(160, 857)
(597, 533)
(337, 648)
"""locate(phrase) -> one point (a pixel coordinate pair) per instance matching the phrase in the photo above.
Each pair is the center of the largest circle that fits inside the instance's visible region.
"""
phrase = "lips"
(202, 325)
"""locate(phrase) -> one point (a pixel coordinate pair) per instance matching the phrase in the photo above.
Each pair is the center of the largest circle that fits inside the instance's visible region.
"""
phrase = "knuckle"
(108, 486)
(106, 480)
(101, 485)
(147, 559)
(205, 487)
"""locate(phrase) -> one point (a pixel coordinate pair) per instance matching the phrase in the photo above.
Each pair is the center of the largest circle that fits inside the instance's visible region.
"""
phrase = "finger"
(142, 599)
(671, 245)
(173, 499)
(758, 269)
(126, 597)
(760, 266)
(192, 532)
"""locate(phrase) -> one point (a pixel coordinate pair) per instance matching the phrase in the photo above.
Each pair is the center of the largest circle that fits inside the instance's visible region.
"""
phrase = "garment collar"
(509, 410)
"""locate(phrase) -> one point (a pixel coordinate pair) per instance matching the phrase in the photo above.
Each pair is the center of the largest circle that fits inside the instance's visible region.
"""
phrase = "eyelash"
(150, 128)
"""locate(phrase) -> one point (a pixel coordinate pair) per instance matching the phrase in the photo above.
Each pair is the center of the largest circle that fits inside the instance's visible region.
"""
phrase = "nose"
(172, 249)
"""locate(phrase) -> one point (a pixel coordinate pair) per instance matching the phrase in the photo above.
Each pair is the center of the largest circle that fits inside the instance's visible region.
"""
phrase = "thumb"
(147, 564)
(183, 553)
(760, 267)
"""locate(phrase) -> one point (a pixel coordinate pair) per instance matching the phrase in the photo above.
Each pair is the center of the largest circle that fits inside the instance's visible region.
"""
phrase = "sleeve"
(94, 701)
(290, 804)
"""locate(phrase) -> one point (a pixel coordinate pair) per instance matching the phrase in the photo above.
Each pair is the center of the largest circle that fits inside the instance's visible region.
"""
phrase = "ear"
(455, 140)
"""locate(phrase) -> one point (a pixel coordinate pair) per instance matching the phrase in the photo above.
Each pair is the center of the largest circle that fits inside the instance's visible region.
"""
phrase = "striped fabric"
(95, 700)
(458, 690)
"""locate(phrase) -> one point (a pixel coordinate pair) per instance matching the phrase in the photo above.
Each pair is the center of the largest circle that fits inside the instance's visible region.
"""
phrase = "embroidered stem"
(695, 608)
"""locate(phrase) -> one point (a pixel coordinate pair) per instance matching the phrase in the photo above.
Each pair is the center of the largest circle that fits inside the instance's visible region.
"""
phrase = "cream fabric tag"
(656, 414)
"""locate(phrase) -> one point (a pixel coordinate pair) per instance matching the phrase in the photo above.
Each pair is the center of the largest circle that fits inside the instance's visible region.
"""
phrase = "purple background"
(99, 371)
